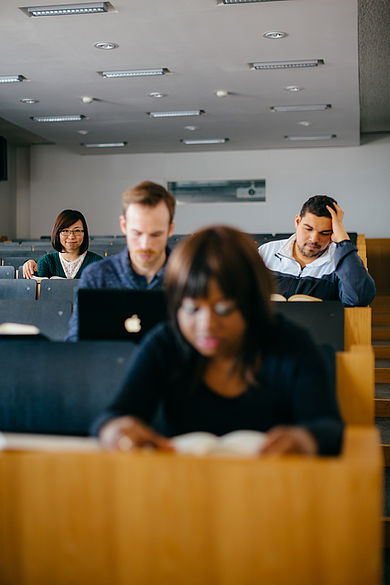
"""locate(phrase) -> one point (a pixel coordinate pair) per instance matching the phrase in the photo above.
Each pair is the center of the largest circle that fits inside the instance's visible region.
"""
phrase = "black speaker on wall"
(3, 159)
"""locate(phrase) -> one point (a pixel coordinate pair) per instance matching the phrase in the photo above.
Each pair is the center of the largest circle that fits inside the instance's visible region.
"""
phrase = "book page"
(277, 297)
(300, 297)
(237, 443)
(246, 443)
(194, 443)
(18, 329)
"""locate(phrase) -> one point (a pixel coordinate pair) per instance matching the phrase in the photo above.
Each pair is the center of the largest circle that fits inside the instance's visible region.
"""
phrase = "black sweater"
(292, 388)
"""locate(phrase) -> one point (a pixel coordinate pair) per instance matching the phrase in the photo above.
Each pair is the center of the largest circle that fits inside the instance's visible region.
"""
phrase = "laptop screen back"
(119, 314)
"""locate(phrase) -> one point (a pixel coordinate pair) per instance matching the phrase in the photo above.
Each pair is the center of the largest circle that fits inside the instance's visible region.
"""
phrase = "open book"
(32, 442)
(39, 278)
(18, 329)
(299, 297)
(238, 443)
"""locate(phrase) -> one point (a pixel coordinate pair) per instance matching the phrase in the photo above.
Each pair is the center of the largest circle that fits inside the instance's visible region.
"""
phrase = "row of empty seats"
(61, 289)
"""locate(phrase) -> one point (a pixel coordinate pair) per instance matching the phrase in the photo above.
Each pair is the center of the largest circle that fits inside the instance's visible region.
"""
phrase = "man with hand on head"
(147, 222)
(319, 259)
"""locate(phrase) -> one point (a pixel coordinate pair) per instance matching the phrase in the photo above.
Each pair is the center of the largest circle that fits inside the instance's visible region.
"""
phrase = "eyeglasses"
(67, 232)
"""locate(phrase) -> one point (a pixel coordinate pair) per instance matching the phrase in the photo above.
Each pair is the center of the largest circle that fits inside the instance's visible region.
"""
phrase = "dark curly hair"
(317, 206)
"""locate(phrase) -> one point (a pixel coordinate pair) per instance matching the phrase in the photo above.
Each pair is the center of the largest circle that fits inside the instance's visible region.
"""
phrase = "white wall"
(358, 177)
(7, 197)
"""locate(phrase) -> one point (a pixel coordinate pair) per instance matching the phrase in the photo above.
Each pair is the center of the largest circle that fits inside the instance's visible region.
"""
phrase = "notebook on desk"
(119, 314)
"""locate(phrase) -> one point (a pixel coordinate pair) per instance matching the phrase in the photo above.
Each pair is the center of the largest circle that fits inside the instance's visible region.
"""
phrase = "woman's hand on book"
(126, 433)
(289, 440)
(29, 267)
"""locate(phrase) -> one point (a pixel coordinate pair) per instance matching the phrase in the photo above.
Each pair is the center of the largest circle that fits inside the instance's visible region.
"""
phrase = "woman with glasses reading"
(69, 237)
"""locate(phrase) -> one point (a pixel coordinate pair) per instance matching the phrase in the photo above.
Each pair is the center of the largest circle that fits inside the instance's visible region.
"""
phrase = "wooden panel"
(357, 326)
(378, 253)
(362, 248)
(382, 375)
(382, 351)
(153, 518)
(355, 385)
(382, 407)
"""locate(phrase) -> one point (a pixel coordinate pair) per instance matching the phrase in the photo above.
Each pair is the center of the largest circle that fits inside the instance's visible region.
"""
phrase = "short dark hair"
(317, 206)
(64, 220)
(231, 257)
(149, 193)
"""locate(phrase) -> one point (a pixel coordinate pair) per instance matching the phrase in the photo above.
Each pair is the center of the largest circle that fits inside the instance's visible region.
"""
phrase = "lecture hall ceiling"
(203, 48)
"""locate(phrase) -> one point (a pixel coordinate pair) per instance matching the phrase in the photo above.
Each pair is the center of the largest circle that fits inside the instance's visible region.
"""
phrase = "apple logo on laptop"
(133, 324)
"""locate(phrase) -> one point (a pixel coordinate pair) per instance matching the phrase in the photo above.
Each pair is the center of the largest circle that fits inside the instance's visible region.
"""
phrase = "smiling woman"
(69, 237)
(225, 362)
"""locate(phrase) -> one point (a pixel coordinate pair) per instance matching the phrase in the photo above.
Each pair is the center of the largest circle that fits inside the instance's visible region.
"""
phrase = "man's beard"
(312, 254)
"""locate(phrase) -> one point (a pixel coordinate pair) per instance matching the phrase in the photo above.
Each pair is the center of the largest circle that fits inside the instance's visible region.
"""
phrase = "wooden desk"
(160, 519)
(355, 382)
(357, 326)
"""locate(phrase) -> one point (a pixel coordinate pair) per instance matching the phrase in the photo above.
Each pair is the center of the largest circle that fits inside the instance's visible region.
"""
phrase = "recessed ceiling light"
(76, 118)
(11, 78)
(175, 114)
(302, 108)
(82, 132)
(106, 45)
(285, 64)
(204, 141)
(134, 72)
(190, 128)
(105, 145)
(313, 137)
(305, 123)
(67, 9)
(87, 99)
(156, 94)
(28, 101)
(293, 88)
(221, 93)
(275, 34)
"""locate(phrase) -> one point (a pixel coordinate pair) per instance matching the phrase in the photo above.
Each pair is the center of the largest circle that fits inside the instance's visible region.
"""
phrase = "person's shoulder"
(272, 246)
(92, 256)
(161, 333)
(101, 266)
(50, 257)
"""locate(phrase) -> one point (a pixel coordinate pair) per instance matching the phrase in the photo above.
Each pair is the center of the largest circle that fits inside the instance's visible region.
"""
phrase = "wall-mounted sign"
(218, 191)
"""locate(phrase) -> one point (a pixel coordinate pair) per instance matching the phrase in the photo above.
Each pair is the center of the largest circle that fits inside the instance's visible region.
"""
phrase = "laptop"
(324, 320)
(121, 314)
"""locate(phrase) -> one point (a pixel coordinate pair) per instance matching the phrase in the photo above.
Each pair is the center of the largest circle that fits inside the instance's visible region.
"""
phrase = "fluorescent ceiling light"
(175, 114)
(134, 72)
(301, 108)
(29, 101)
(242, 1)
(76, 118)
(286, 64)
(11, 78)
(66, 9)
(314, 137)
(204, 141)
(105, 145)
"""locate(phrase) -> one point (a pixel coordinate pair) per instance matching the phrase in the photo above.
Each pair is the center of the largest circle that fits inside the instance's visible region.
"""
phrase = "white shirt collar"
(327, 256)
